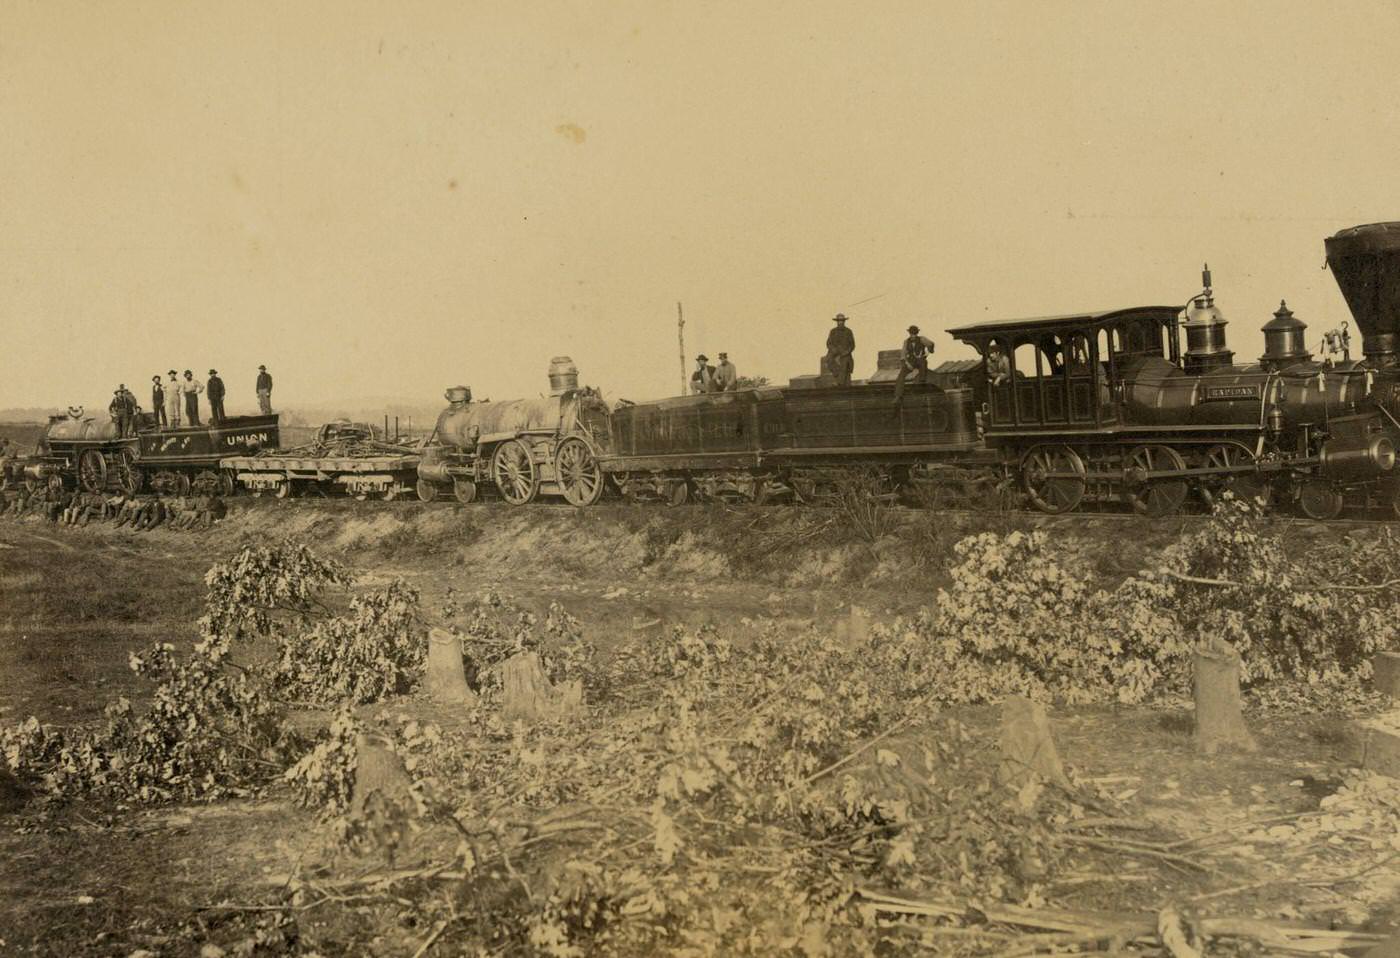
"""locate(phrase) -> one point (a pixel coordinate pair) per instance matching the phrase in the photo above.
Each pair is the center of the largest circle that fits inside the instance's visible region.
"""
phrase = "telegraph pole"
(680, 335)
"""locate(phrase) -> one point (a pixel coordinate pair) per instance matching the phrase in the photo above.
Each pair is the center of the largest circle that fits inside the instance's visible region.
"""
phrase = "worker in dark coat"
(158, 401)
(913, 358)
(840, 351)
(215, 390)
(264, 391)
(703, 379)
(117, 410)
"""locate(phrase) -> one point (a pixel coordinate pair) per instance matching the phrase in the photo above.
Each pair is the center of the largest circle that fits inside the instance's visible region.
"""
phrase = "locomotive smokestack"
(1365, 262)
(1205, 331)
(563, 375)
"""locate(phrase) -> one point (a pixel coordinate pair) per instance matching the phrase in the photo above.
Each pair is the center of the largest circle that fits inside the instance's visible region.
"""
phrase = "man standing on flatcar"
(172, 400)
(264, 391)
(158, 401)
(840, 351)
(913, 359)
(726, 376)
(703, 379)
(215, 391)
(190, 389)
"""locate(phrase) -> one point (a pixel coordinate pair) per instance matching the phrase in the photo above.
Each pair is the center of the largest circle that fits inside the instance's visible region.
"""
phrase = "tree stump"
(1385, 673)
(529, 695)
(1215, 687)
(1027, 749)
(378, 771)
(443, 676)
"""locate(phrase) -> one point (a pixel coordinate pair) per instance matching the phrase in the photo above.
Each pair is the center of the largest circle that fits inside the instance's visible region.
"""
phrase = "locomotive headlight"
(1383, 453)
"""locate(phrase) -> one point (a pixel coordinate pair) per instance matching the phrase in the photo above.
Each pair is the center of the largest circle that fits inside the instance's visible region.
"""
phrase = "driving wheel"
(1243, 485)
(513, 471)
(579, 475)
(1053, 477)
(1161, 496)
(464, 490)
(92, 471)
(427, 491)
(129, 478)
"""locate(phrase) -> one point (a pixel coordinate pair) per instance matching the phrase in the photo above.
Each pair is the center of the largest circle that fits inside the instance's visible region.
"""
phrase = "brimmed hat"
(173, 373)
(723, 355)
(913, 329)
(839, 318)
(188, 373)
(155, 378)
(702, 358)
(213, 372)
(264, 368)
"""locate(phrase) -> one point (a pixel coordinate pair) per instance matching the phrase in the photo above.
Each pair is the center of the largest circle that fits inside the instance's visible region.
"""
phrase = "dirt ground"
(93, 879)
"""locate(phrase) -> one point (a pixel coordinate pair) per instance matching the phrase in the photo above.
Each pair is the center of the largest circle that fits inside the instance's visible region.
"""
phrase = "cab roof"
(1063, 323)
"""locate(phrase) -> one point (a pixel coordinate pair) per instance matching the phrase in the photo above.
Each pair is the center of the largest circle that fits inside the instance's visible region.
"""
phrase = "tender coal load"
(1365, 261)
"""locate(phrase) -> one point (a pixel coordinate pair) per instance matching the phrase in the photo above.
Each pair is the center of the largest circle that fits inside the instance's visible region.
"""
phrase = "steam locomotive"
(1095, 407)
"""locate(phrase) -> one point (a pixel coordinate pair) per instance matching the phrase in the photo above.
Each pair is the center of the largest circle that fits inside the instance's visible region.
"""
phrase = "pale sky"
(391, 198)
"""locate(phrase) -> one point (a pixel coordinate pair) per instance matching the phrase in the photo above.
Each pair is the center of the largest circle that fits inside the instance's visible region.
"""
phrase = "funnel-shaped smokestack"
(1365, 261)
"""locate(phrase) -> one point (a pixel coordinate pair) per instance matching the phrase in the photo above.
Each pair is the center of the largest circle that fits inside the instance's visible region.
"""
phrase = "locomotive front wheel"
(579, 475)
(1319, 499)
(427, 491)
(1157, 497)
(227, 484)
(513, 471)
(1053, 477)
(182, 485)
(92, 471)
(464, 490)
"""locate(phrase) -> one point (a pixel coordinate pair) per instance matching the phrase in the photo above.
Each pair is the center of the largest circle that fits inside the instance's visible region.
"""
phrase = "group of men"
(176, 402)
(913, 357)
(66, 507)
(714, 379)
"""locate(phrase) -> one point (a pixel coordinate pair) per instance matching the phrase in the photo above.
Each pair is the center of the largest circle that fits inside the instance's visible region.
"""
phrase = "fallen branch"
(1137, 848)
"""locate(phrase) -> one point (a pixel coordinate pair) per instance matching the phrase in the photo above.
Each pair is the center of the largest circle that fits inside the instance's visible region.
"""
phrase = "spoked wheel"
(1319, 499)
(579, 475)
(1053, 477)
(464, 490)
(92, 471)
(513, 471)
(228, 485)
(1156, 497)
(129, 477)
(1243, 485)
(182, 485)
(677, 492)
(427, 491)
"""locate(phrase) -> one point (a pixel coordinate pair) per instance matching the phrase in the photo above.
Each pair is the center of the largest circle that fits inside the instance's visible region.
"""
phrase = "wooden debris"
(444, 677)
(530, 696)
(1216, 689)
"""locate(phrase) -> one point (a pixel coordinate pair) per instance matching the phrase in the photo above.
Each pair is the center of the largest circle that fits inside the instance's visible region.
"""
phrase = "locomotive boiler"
(522, 448)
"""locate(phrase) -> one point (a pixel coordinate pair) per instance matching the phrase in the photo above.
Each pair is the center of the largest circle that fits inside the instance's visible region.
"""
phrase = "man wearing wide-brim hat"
(190, 388)
(215, 390)
(172, 400)
(913, 359)
(264, 389)
(840, 350)
(703, 379)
